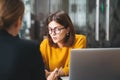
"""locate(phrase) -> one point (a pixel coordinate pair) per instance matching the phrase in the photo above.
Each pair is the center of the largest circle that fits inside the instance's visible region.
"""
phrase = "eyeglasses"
(55, 30)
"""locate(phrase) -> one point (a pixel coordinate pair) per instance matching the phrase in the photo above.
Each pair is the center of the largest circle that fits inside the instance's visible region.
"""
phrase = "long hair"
(10, 11)
(62, 18)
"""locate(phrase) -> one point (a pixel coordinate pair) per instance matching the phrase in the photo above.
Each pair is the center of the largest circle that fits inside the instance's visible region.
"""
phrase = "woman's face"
(57, 32)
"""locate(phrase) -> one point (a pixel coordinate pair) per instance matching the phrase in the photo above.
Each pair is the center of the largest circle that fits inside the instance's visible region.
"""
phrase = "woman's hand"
(53, 75)
(47, 72)
(61, 72)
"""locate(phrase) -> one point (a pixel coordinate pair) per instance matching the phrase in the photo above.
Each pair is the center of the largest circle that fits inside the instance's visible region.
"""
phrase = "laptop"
(95, 64)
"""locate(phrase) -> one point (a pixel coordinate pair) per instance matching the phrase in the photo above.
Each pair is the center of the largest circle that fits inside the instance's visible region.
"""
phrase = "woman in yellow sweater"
(61, 39)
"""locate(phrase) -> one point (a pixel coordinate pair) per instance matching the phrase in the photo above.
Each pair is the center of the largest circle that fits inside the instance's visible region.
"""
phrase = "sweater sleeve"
(80, 41)
(66, 67)
(43, 50)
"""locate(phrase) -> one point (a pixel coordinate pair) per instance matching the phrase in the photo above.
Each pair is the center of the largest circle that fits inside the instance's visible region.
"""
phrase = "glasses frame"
(56, 30)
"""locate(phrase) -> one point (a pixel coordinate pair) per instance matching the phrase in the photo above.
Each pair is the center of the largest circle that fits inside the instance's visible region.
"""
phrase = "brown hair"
(62, 18)
(10, 11)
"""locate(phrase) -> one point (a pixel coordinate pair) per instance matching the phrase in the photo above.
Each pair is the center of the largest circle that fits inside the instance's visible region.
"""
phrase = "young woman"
(61, 39)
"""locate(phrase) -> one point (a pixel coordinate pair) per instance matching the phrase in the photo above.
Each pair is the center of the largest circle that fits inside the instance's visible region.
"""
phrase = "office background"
(99, 20)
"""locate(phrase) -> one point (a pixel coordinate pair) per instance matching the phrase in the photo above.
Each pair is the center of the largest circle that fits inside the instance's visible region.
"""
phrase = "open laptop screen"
(95, 64)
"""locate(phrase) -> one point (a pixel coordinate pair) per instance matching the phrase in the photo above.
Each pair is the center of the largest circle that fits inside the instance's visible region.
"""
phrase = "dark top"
(20, 59)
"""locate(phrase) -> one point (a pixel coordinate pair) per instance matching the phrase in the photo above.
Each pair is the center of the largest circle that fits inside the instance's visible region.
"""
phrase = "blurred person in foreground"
(61, 39)
(19, 59)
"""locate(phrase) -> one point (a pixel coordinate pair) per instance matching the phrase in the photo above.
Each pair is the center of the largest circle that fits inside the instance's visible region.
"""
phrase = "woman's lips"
(54, 38)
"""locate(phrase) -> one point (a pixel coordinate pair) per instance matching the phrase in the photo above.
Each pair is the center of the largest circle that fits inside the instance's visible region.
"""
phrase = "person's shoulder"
(45, 41)
(80, 41)
(29, 42)
(80, 36)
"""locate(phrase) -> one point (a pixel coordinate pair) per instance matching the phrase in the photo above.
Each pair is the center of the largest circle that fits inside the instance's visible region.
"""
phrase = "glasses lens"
(57, 30)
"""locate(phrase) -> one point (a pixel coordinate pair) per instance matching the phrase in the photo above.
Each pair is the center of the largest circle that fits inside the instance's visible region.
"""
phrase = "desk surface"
(64, 78)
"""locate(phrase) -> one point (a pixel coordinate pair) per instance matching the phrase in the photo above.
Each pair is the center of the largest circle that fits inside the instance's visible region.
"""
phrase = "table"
(65, 78)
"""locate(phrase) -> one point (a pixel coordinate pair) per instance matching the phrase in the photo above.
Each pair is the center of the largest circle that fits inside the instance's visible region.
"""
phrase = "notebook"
(95, 64)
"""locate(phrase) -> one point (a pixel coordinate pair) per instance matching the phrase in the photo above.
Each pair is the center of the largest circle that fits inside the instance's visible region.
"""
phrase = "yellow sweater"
(60, 57)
